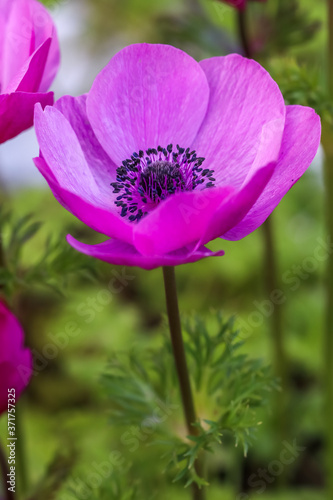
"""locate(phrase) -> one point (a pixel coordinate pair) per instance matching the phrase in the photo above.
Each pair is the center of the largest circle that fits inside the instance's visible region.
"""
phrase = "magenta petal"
(17, 112)
(18, 40)
(178, 221)
(15, 360)
(148, 95)
(100, 164)
(97, 218)
(233, 210)
(62, 152)
(43, 29)
(29, 78)
(299, 146)
(120, 253)
(243, 99)
(28, 26)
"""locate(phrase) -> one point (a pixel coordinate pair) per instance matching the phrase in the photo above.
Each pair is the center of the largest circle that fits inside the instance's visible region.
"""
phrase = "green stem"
(328, 342)
(181, 364)
(280, 361)
(243, 33)
(330, 47)
(9, 495)
(328, 339)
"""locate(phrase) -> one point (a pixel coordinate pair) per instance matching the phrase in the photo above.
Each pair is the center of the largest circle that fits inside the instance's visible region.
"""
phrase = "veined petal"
(100, 164)
(299, 146)
(96, 217)
(234, 209)
(178, 221)
(244, 99)
(120, 253)
(62, 152)
(148, 95)
(29, 78)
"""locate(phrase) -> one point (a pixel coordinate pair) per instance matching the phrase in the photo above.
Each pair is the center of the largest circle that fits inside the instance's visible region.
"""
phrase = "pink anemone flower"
(15, 360)
(239, 4)
(29, 59)
(165, 154)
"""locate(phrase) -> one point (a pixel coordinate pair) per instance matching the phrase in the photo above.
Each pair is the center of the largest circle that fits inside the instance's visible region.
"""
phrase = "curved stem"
(9, 495)
(181, 364)
(243, 34)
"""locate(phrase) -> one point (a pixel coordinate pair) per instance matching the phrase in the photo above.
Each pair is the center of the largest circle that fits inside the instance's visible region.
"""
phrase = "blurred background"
(74, 324)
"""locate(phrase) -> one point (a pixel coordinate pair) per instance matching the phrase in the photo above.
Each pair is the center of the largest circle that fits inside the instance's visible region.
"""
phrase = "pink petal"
(17, 41)
(119, 253)
(62, 152)
(29, 78)
(243, 100)
(17, 111)
(178, 221)
(299, 146)
(233, 210)
(43, 29)
(14, 358)
(148, 95)
(28, 27)
(97, 218)
(100, 164)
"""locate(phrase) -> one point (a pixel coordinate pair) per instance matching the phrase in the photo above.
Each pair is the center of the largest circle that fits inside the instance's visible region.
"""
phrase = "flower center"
(148, 178)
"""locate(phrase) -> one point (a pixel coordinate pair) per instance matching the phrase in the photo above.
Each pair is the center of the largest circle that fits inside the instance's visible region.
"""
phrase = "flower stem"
(328, 339)
(279, 354)
(9, 495)
(181, 364)
(243, 33)
(330, 47)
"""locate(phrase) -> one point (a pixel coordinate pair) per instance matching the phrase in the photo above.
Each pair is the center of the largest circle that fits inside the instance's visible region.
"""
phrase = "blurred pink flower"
(239, 4)
(166, 154)
(29, 59)
(15, 360)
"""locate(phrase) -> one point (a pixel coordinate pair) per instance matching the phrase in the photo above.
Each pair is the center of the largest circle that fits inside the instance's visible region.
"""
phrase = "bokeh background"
(64, 412)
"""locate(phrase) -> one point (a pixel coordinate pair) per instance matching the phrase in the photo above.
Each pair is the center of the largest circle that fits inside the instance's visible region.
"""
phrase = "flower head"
(15, 360)
(165, 154)
(29, 59)
(239, 4)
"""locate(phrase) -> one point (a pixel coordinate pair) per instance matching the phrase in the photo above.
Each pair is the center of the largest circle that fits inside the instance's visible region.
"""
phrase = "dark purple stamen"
(148, 178)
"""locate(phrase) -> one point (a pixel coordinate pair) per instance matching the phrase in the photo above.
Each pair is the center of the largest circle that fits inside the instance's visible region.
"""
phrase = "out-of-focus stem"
(330, 46)
(271, 280)
(243, 33)
(328, 343)
(327, 141)
(271, 284)
(181, 364)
